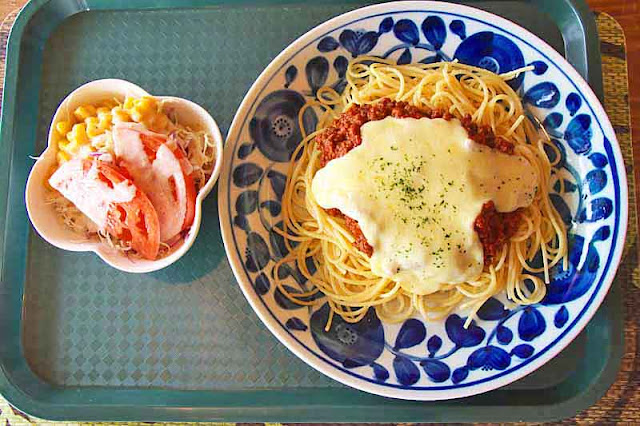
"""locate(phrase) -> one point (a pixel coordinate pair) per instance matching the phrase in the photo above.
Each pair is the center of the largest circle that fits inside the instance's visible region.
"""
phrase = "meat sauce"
(494, 229)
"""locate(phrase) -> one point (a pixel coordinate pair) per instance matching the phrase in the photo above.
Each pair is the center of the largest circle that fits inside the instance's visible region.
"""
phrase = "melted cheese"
(415, 187)
(88, 192)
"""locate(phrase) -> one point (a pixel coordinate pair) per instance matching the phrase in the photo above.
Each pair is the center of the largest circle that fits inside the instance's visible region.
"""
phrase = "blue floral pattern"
(274, 128)
(492, 51)
(418, 354)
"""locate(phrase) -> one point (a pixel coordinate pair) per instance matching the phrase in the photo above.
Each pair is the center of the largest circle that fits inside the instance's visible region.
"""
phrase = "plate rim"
(333, 371)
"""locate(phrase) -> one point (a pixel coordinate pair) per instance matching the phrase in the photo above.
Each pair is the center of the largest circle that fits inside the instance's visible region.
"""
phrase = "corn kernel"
(84, 111)
(63, 144)
(104, 120)
(69, 147)
(120, 114)
(62, 157)
(73, 147)
(91, 121)
(102, 110)
(143, 109)
(147, 103)
(109, 103)
(63, 127)
(136, 115)
(129, 102)
(157, 122)
(78, 134)
(94, 130)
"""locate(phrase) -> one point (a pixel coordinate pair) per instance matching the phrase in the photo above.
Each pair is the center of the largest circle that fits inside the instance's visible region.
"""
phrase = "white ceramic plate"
(422, 360)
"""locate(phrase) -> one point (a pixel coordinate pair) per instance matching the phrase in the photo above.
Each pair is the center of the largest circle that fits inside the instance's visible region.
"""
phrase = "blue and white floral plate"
(421, 360)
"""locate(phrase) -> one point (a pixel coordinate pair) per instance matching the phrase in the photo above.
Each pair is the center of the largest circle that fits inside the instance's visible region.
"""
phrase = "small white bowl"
(43, 216)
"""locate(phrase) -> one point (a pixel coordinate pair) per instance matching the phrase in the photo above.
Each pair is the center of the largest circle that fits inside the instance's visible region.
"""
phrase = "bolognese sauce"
(494, 228)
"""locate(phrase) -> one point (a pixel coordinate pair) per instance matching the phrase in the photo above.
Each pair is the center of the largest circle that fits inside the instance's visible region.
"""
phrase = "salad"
(128, 173)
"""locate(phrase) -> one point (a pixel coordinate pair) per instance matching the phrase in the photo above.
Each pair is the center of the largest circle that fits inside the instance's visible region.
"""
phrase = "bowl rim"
(120, 261)
(324, 365)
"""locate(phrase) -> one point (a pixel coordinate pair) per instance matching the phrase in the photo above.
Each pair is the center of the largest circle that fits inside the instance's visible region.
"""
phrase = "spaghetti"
(343, 273)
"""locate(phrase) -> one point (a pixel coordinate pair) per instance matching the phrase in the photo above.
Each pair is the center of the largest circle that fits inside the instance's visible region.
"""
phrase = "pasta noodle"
(343, 273)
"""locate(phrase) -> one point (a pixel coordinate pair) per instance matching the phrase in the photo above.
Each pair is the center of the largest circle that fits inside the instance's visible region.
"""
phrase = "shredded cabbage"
(198, 146)
(73, 218)
(200, 150)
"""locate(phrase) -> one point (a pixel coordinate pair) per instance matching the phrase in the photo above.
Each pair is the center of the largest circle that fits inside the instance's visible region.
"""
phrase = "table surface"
(626, 12)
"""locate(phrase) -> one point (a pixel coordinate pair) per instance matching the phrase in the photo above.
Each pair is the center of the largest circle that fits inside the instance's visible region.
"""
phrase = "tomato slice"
(113, 202)
(158, 168)
(135, 220)
(153, 143)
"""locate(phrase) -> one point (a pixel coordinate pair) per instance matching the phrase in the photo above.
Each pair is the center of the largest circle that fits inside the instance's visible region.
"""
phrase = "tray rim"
(55, 408)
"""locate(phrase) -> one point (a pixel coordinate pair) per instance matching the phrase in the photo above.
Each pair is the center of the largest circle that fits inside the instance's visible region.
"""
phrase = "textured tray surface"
(189, 327)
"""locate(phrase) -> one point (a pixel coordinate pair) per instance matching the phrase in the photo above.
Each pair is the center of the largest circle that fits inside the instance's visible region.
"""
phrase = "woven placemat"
(621, 403)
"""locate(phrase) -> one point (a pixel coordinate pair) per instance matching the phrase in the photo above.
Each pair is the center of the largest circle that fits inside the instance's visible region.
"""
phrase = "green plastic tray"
(80, 340)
